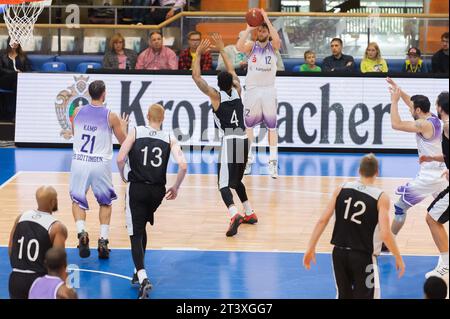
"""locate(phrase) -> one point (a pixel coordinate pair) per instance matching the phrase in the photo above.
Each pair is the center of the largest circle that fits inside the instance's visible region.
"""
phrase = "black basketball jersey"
(229, 117)
(356, 213)
(31, 241)
(445, 148)
(149, 157)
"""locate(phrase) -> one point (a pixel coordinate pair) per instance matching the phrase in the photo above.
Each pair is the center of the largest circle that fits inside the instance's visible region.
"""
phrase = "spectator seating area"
(81, 63)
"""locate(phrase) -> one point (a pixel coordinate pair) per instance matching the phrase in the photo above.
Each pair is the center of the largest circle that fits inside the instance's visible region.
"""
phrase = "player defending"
(260, 98)
(148, 151)
(438, 210)
(228, 113)
(33, 234)
(362, 224)
(428, 130)
(92, 127)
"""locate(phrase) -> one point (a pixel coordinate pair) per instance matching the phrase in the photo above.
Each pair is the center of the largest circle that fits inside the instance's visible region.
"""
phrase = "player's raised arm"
(119, 125)
(405, 96)
(218, 42)
(125, 148)
(310, 254)
(276, 41)
(178, 154)
(418, 126)
(243, 45)
(197, 75)
(385, 232)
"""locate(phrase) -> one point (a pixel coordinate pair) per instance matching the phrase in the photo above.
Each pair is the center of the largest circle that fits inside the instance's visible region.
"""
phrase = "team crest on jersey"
(68, 100)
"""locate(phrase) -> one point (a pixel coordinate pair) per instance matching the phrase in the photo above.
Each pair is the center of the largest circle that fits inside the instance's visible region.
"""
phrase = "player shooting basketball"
(260, 98)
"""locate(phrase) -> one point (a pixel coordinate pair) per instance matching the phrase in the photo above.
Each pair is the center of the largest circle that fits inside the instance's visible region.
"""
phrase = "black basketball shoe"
(144, 290)
(83, 245)
(103, 251)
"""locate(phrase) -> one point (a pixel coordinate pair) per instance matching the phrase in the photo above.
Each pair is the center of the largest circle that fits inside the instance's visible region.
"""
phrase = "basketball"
(254, 17)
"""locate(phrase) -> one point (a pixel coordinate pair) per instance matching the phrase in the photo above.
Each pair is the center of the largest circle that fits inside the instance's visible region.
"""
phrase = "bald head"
(46, 198)
(156, 114)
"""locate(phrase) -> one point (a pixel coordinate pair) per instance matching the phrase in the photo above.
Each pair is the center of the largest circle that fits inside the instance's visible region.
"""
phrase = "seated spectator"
(372, 61)
(12, 61)
(435, 288)
(414, 63)
(310, 65)
(157, 16)
(52, 285)
(439, 61)
(157, 56)
(189, 54)
(338, 62)
(118, 57)
(238, 59)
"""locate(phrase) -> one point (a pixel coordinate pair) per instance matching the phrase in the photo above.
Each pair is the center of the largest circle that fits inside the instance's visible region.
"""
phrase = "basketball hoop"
(20, 17)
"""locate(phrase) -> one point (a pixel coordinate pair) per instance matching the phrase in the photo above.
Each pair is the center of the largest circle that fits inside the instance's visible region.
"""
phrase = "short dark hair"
(265, 25)
(421, 102)
(337, 40)
(225, 81)
(442, 101)
(444, 36)
(96, 89)
(56, 259)
(368, 167)
(190, 34)
(309, 52)
(435, 288)
(156, 32)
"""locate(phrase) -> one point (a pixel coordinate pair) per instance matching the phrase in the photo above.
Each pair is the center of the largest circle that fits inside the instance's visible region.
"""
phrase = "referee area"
(188, 255)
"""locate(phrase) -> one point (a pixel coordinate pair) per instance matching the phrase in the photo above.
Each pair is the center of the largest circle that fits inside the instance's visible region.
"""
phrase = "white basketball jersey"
(262, 66)
(93, 134)
(432, 146)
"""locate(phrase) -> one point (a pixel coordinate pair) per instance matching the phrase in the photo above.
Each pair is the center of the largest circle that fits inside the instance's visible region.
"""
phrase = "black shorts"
(438, 210)
(356, 274)
(142, 200)
(20, 284)
(233, 158)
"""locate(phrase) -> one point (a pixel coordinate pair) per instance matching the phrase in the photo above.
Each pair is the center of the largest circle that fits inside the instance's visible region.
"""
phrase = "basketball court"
(188, 254)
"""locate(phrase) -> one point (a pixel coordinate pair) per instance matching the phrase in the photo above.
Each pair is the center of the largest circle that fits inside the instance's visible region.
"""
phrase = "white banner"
(317, 112)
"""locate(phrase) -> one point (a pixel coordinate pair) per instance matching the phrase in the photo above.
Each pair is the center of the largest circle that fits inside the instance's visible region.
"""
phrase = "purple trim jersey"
(262, 66)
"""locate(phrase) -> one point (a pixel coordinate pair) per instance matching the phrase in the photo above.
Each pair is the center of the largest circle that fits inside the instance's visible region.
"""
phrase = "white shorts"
(438, 209)
(95, 175)
(261, 107)
(429, 182)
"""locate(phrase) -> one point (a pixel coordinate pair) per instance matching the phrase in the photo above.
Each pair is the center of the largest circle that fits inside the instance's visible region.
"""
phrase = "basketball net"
(20, 19)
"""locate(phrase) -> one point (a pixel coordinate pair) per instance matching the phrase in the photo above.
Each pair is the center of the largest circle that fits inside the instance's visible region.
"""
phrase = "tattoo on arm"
(203, 86)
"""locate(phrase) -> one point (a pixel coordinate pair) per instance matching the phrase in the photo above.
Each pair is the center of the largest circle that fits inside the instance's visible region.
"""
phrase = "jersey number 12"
(359, 213)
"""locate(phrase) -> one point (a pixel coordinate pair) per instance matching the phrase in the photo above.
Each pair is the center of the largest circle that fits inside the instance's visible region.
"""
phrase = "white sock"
(247, 208)
(273, 153)
(81, 226)
(104, 231)
(444, 259)
(232, 210)
(142, 274)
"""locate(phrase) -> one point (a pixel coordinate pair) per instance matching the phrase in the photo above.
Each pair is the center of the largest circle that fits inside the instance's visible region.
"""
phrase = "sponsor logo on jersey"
(68, 100)
(254, 58)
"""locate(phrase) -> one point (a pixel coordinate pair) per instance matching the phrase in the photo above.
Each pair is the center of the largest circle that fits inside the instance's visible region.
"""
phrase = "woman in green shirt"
(373, 62)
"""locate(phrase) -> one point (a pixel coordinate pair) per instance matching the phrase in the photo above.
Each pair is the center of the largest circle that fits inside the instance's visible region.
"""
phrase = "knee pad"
(400, 211)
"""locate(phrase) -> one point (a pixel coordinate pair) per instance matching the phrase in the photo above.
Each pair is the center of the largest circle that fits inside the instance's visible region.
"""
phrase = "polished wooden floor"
(288, 209)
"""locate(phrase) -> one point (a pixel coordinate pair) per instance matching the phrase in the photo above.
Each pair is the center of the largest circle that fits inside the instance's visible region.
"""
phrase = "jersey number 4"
(234, 119)
(356, 205)
(157, 156)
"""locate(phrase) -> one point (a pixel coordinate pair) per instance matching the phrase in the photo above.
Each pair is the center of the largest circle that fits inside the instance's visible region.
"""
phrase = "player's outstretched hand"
(391, 82)
(172, 193)
(204, 46)
(124, 121)
(218, 42)
(400, 266)
(425, 158)
(310, 255)
(396, 93)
